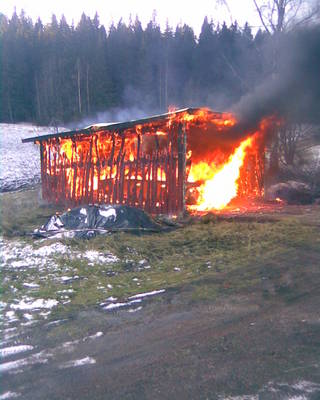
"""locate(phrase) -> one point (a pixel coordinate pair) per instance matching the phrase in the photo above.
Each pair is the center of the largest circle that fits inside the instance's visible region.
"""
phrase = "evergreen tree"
(57, 73)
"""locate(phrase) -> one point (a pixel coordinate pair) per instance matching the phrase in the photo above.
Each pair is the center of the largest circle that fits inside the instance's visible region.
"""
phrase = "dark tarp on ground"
(88, 221)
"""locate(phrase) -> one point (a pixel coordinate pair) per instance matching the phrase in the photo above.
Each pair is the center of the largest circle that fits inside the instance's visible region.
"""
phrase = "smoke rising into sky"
(293, 92)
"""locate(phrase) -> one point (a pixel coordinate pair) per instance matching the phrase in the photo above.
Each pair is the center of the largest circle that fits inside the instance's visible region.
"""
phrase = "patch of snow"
(95, 336)
(111, 298)
(39, 303)
(65, 291)
(132, 310)
(141, 295)
(46, 251)
(10, 314)
(306, 386)
(114, 306)
(9, 395)
(34, 359)
(31, 285)
(2, 304)
(100, 258)
(45, 313)
(57, 322)
(301, 390)
(20, 264)
(78, 363)
(66, 278)
(8, 351)
(10, 329)
(245, 397)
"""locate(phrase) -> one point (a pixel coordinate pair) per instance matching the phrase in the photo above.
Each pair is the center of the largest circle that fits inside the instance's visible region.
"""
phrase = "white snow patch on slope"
(39, 303)
(8, 351)
(38, 358)
(78, 363)
(20, 162)
(9, 395)
(147, 294)
(114, 306)
(100, 258)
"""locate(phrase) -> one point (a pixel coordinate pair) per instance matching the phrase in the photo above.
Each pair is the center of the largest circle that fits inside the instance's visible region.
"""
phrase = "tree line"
(60, 72)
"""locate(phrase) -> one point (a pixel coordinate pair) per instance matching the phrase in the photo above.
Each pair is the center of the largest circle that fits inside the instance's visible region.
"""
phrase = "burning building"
(165, 164)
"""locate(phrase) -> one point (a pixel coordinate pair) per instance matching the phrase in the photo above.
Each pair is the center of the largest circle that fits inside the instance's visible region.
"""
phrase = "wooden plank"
(55, 186)
(184, 168)
(129, 184)
(88, 170)
(43, 170)
(154, 188)
(97, 167)
(166, 168)
(143, 177)
(122, 178)
(117, 182)
(180, 167)
(50, 179)
(75, 171)
(111, 163)
(137, 168)
(92, 171)
(148, 199)
(84, 157)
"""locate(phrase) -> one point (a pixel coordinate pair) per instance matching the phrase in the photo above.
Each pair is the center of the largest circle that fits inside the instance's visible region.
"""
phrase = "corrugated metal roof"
(111, 126)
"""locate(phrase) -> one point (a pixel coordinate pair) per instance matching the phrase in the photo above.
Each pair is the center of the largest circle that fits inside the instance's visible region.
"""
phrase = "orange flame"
(220, 185)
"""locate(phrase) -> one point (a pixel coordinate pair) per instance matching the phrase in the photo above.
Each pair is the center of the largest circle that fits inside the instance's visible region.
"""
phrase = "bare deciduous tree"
(280, 15)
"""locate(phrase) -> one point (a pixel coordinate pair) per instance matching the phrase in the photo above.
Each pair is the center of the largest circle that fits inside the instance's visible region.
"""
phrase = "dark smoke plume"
(293, 93)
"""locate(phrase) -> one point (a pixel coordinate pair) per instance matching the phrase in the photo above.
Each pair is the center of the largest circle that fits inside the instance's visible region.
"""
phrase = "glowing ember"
(221, 187)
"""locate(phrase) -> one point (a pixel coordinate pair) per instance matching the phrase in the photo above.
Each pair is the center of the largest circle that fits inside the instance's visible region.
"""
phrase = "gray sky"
(190, 12)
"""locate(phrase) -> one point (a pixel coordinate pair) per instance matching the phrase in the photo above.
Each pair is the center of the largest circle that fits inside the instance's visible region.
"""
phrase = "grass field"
(209, 255)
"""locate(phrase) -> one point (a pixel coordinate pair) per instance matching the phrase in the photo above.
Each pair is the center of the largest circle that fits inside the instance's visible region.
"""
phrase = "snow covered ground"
(19, 162)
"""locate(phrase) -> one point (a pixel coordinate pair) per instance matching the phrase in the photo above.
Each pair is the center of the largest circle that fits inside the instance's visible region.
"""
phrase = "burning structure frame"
(143, 163)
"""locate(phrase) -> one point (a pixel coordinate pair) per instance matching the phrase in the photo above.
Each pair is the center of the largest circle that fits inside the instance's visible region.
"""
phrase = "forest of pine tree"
(57, 73)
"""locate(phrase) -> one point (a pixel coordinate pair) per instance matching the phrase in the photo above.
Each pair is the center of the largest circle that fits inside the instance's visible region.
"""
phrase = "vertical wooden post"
(97, 168)
(137, 168)
(182, 149)
(184, 167)
(74, 166)
(43, 171)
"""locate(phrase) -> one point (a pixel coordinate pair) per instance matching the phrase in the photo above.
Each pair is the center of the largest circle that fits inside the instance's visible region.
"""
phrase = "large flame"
(220, 185)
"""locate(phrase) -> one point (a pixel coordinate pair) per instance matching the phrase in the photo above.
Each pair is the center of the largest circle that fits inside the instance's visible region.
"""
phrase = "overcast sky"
(175, 11)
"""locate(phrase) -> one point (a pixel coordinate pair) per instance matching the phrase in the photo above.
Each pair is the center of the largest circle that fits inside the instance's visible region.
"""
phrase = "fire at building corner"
(193, 159)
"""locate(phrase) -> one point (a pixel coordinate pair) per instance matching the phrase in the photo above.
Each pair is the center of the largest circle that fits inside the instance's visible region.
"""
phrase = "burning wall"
(184, 159)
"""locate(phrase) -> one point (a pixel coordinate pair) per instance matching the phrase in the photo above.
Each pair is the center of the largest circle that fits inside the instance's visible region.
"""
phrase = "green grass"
(21, 212)
(208, 257)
